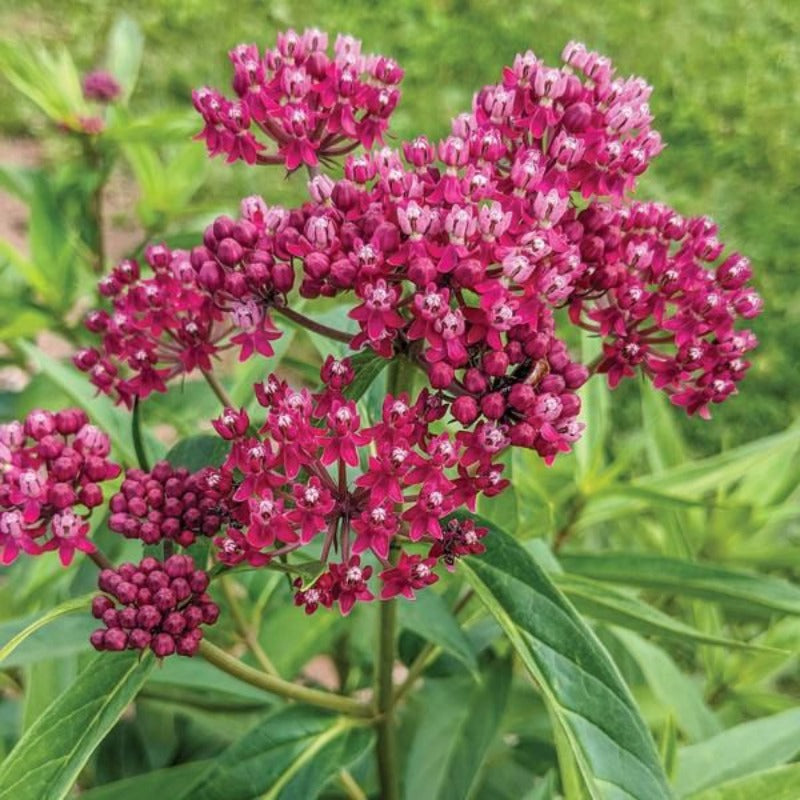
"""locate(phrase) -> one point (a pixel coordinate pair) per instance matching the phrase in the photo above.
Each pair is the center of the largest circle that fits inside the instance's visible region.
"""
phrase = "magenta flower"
(51, 468)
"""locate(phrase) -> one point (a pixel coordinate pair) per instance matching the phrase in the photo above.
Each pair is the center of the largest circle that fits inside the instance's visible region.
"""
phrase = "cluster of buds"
(160, 605)
(51, 468)
(298, 105)
(293, 483)
(161, 327)
(167, 503)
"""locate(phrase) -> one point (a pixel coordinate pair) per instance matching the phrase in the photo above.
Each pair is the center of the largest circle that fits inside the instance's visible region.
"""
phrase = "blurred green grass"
(727, 86)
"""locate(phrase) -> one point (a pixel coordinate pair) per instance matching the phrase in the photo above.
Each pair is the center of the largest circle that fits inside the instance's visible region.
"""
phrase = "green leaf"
(69, 636)
(721, 471)
(48, 759)
(663, 442)
(158, 783)
(199, 451)
(112, 419)
(747, 748)
(283, 753)
(738, 589)
(44, 681)
(26, 269)
(590, 706)
(455, 723)
(124, 55)
(17, 181)
(608, 604)
(67, 607)
(429, 616)
(772, 784)
(367, 365)
(22, 322)
(671, 687)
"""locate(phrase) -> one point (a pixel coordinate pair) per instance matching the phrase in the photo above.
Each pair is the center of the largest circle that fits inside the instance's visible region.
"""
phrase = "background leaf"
(455, 723)
(48, 758)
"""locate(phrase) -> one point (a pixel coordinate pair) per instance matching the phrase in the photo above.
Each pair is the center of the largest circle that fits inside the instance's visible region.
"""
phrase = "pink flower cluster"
(164, 326)
(166, 504)
(459, 257)
(161, 606)
(51, 468)
(293, 483)
(307, 105)
(662, 309)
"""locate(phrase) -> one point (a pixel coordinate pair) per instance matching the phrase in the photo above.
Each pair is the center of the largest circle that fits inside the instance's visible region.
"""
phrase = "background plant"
(590, 504)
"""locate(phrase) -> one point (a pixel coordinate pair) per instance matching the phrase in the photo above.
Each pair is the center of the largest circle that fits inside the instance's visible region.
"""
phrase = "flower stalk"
(274, 685)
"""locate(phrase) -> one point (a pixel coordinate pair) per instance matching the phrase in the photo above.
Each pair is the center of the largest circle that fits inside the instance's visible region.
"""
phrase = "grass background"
(726, 99)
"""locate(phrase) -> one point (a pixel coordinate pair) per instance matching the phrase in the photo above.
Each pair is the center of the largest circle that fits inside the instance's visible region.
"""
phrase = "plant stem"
(428, 653)
(309, 324)
(101, 560)
(136, 433)
(244, 629)
(351, 788)
(387, 762)
(218, 389)
(384, 688)
(270, 683)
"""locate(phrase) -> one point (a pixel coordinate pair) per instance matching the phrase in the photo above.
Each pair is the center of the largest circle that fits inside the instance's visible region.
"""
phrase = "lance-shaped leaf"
(752, 746)
(457, 720)
(48, 759)
(429, 616)
(290, 755)
(772, 784)
(605, 603)
(748, 591)
(592, 709)
(167, 782)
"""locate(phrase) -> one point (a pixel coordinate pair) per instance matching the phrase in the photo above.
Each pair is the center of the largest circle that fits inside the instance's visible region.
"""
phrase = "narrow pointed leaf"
(67, 607)
(671, 687)
(48, 759)
(607, 604)
(739, 751)
(429, 616)
(756, 594)
(455, 724)
(772, 784)
(284, 756)
(590, 705)
(167, 782)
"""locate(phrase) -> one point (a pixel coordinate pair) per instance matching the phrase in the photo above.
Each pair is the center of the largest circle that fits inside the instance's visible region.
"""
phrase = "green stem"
(136, 432)
(270, 683)
(246, 631)
(311, 325)
(218, 389)
(386, 748)
(351, 788)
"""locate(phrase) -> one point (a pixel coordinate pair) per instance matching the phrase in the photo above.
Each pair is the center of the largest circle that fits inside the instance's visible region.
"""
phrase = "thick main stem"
(384, 706)
(270, 683)
(386, 749)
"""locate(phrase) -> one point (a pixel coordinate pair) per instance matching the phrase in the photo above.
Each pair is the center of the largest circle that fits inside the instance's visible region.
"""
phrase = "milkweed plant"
(461, 263)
